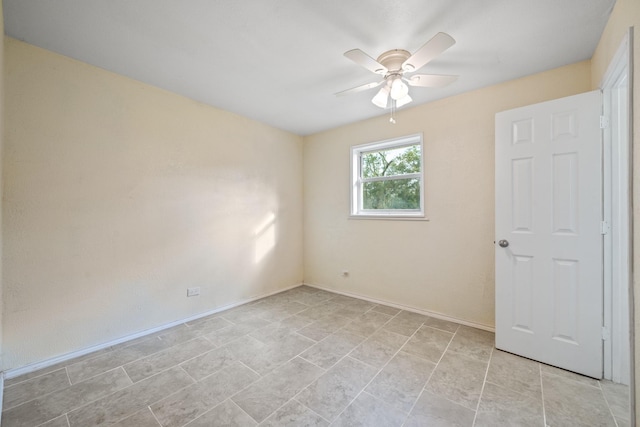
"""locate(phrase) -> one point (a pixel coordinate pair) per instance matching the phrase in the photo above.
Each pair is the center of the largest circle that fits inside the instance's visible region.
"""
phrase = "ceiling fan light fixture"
(403, 101)
(381, 98)
(399, 89)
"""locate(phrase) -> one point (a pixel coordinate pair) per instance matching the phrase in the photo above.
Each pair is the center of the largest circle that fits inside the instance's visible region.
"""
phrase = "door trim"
(617, 169)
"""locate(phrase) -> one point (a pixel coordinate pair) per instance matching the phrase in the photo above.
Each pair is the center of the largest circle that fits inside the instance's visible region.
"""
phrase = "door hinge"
(604, 227)
(604, 122)
(605, 334)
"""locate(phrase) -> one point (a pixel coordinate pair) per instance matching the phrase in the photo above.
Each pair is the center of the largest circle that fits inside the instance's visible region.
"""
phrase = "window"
(386, 179)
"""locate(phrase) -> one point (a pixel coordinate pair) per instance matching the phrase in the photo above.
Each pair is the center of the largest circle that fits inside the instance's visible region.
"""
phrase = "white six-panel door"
(548, 219)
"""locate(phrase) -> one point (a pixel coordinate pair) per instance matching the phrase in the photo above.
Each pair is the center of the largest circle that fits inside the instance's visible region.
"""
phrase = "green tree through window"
(396, 193)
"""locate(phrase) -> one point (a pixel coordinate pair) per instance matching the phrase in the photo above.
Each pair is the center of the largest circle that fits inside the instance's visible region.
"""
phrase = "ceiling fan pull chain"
(392, 119)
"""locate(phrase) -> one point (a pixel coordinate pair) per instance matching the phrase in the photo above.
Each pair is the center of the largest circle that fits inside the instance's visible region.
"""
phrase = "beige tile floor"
(307, 357)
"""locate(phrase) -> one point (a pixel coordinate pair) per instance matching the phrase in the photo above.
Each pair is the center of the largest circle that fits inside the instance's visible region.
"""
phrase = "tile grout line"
(154, 415)
(484, 383)
(369, 336)
(54, 418)
(604, 396)
(142, 358)
(10, 408)
(243, 364)
(186, 360)
(310, 362)
(203, 334)
(191, 323)
(126, 374)
(189, 375)
(256, 372)
(149, 405)
(202, 379)
(66, 371)
(234, 404)
(351, 320)
(216, 330)
(211, 373)
(215, 347)
(69, 386)
(380, 370)
(105, 396)
(218, 346)
(302, 404)
(424, 387)
(544, 409)
(309, 338)
(123, 364)
(131, 385)
(47, 372)
(288, 331)
(235, 394)
(326, 370)
(271, 371)
(568, 377)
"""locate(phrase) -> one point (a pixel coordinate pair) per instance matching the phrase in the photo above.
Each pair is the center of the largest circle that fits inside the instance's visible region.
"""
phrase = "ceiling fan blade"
(434, 47)
(360, 88)
(361, 58)
(430, 80)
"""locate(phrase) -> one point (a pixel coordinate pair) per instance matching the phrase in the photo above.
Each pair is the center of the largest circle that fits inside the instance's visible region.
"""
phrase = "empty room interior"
(299, 213)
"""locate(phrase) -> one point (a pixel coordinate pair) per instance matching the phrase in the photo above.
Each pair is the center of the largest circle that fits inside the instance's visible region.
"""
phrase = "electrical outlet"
(193, 292)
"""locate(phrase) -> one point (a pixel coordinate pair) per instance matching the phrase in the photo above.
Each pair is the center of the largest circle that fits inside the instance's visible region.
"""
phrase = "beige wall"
(444, 265)
(118, 196)
(626, 14)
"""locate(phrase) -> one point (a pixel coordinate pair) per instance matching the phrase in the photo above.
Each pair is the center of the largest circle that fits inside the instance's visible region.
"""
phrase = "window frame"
(356, 187)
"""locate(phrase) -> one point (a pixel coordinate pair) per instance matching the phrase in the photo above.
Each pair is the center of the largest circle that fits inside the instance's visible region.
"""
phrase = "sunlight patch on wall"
(265, 236)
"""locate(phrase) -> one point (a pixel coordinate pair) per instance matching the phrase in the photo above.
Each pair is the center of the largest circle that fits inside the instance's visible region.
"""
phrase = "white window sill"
(391, 217)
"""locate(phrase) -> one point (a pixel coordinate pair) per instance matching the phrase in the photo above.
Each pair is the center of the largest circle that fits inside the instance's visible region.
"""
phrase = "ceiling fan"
(394, 64)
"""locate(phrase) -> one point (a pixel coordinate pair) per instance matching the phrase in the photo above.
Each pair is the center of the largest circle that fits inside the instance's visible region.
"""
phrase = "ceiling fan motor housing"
(393, 60)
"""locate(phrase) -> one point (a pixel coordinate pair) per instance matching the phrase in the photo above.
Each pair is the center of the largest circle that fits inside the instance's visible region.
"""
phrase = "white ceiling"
(280, 61)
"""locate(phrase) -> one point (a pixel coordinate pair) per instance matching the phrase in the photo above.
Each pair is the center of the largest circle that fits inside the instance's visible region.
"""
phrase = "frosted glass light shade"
(403, 101)
(399, 89)
(381, 97)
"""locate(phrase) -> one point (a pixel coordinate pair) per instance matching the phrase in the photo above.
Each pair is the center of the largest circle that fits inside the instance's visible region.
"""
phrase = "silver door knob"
(503, 243)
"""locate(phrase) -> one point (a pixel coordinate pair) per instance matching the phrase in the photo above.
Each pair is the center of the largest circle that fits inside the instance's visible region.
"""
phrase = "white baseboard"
(407, 308)
(16, 372)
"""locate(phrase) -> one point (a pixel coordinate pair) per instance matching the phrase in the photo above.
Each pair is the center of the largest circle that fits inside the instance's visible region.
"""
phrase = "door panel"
(523, 293)
(522, 211)
(548, 207)
(565, 193)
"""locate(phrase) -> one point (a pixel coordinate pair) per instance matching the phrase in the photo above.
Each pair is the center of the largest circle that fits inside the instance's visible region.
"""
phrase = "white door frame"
(617, 95)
